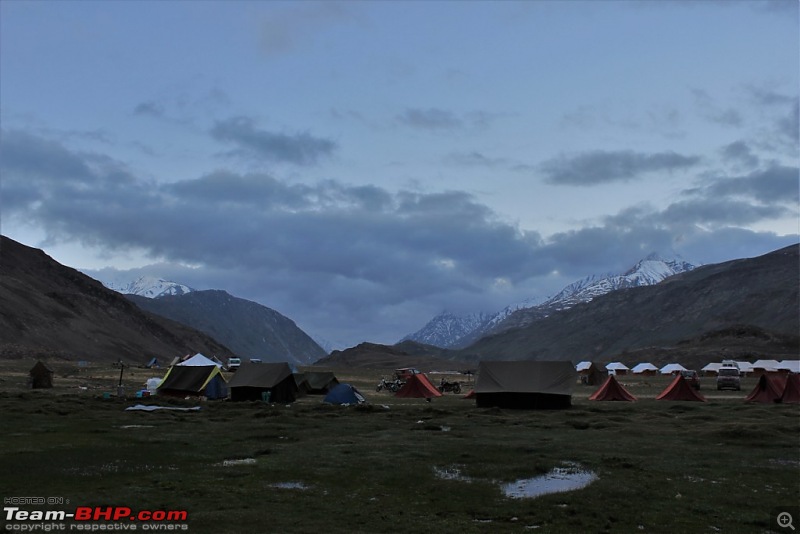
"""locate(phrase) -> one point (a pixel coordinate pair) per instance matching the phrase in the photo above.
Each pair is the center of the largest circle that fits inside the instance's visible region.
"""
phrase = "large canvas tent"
(41, 376)
(194, 381)
(680, 390)
(612, 391)
(768, 389)
(253, 380)
(418, 386)
(591, 373)
(525, 384)
(320, 382)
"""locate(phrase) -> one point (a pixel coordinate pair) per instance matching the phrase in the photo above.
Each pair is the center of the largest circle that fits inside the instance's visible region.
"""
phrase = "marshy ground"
(401, 464)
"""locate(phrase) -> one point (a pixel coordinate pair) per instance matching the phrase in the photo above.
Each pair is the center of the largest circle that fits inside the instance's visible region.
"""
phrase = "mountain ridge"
(447, 330)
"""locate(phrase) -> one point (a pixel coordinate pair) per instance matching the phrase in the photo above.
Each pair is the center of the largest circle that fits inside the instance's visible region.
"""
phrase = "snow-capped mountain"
(649, 271)
(446, 327)
(450, 331)
(150, 287)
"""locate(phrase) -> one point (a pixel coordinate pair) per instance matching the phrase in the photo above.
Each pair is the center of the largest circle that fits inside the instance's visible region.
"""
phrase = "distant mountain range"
(743, 310)
(248, 328)
(447, 330)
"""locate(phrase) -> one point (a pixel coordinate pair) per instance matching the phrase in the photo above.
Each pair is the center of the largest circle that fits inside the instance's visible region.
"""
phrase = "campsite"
(398, 463)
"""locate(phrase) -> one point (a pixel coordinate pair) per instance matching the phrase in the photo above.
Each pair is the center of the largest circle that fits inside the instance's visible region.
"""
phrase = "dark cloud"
(251, 142)
(789, 125)
(598, 167)
(349, 261)
(739, 152)
(712, 111)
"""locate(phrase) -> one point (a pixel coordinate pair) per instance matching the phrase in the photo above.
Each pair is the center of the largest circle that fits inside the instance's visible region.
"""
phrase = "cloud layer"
(321, 250)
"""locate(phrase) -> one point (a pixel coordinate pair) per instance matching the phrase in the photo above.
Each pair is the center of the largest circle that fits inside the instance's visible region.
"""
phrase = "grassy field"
(721, 466)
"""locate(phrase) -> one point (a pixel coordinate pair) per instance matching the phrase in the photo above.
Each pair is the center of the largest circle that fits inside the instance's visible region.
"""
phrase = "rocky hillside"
(248, 328)
(49, 310)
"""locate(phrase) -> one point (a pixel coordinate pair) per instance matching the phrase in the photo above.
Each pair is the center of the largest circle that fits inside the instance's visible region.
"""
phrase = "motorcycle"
(445, 386)
(391, 385)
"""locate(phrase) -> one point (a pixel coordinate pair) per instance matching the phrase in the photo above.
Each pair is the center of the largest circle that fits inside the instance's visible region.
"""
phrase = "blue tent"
(344, 394)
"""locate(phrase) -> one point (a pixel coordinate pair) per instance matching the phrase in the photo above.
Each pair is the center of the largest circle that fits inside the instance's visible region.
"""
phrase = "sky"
(363, 166)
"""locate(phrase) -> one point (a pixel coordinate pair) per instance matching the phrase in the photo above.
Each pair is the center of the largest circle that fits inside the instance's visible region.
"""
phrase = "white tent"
(671, 368)
(766, 365)
(617, 368)
(793, 366)
(745, 367)
(711, 368)
(583, 366)
(198, 360)
(643, 368)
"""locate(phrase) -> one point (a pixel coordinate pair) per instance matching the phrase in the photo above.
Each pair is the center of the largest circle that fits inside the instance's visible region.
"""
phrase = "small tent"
(418, 386)
(344, 394)
(680, 390)
(768, 389)
(612, 391)
(152, 364)
(253, 380)
(41, 376)
(194, 381)
(644, 369)
(525, 384)
(791, 392)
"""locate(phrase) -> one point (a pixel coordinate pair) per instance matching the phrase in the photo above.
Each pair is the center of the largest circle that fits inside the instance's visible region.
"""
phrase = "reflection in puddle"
(571, 477)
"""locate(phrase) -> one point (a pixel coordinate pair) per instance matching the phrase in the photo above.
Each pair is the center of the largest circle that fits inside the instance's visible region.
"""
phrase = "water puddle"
(289, 485)
(241, 461)
(568, 478)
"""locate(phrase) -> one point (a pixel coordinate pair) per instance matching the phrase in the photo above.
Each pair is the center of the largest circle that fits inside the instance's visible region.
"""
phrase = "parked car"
(692, 377)
(729, 378)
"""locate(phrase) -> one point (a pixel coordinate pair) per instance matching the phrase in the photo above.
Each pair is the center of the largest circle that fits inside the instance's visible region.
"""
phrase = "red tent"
(791, 392)
(470, 395)
(680, 390)
(611, 390)
(769, 389)
(418, 386)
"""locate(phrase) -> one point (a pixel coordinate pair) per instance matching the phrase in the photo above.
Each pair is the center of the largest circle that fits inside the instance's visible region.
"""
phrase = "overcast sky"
(362, 166)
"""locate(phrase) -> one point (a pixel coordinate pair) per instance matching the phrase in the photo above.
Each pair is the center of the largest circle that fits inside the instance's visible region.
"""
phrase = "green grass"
(661, 466)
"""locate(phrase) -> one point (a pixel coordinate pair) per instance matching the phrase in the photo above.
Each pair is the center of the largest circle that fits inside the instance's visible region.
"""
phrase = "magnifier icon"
(785, 520)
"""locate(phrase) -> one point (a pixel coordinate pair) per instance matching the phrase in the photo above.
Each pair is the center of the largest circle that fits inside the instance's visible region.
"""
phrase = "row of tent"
(199, 376)
(769, 389)
(619, 368)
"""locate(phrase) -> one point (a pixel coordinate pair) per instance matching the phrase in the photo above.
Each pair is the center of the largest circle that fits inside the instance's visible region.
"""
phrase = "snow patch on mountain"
(150, 287)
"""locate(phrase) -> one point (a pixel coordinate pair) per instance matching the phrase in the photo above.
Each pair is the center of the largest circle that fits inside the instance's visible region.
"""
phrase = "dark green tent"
(41, 376)
(253, 380)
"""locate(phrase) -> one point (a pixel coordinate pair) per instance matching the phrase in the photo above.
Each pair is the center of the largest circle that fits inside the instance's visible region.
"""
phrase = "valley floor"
(398, 464)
